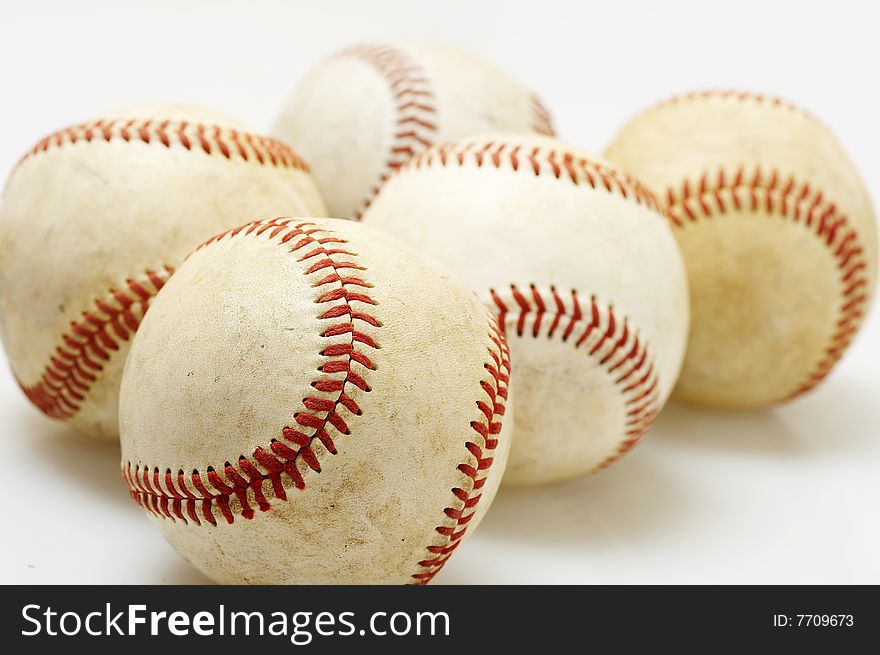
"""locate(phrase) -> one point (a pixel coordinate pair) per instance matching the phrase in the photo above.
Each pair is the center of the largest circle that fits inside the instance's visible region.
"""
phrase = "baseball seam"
(415, 127)
(73, 368)
(722, 191)
(90, 343)
(738, 96)
(608, 339)
(542, 123)
(481, 456)
(215, 140)
(415, 112)
(340, 290)
(642, 398)
(538, 160)
(155, 490)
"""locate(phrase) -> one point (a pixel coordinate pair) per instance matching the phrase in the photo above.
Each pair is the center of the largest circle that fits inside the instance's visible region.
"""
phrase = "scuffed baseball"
(94, 219)
(361, 114)
(311, 402)
(580, 265)
(778, 235)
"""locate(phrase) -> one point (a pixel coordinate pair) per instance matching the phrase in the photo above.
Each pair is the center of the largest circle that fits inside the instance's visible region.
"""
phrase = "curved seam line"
(212, 140)
(806, 205)
(478, 465)
(741, 96)
(610, 343)
(90, 343)
(539, 161)
(246, 477)
(415, 111)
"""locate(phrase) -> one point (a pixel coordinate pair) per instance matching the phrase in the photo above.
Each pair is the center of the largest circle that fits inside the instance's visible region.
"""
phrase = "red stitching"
(74, 365)
(90, 342)
(541, 120)
(184, 498)
(479, 461)
(740, 96)
(537, 160)
(607, 338)
(210, 139)
(639, 383)
(279, 462)
(415, 125)
(724, 191)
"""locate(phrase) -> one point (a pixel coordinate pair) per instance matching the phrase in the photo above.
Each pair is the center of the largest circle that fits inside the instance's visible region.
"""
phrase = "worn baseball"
(580, 266)
(364, 112)
(778, 236)
(93, 221)
(312, 402)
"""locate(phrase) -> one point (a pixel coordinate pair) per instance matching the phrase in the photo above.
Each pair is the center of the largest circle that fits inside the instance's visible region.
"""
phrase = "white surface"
(788, 495)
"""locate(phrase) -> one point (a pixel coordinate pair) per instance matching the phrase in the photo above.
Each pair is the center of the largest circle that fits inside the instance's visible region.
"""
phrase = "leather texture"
(365, 111)
(778, 235)
(584, 272)
(380, 371)
(93, 221)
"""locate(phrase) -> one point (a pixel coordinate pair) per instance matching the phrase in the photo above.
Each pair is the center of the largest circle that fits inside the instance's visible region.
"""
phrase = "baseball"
(364, 112)
(578, 263)
(311, 402)
(777, 233)
(92, 223)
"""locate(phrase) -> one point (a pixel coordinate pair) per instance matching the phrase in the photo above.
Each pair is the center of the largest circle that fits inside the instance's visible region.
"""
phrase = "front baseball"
(92, 222)
(581, 268)
(365, 111)
(778, 236)
(311, 402)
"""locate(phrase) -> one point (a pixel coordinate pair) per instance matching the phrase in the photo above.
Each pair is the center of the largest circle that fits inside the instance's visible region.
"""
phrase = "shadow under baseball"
(842, 415)
(636, 498)
(180, 571)
(647, 496)
(92, 464)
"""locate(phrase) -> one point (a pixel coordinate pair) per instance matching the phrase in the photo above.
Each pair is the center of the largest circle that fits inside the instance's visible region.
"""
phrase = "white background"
(788, 495)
